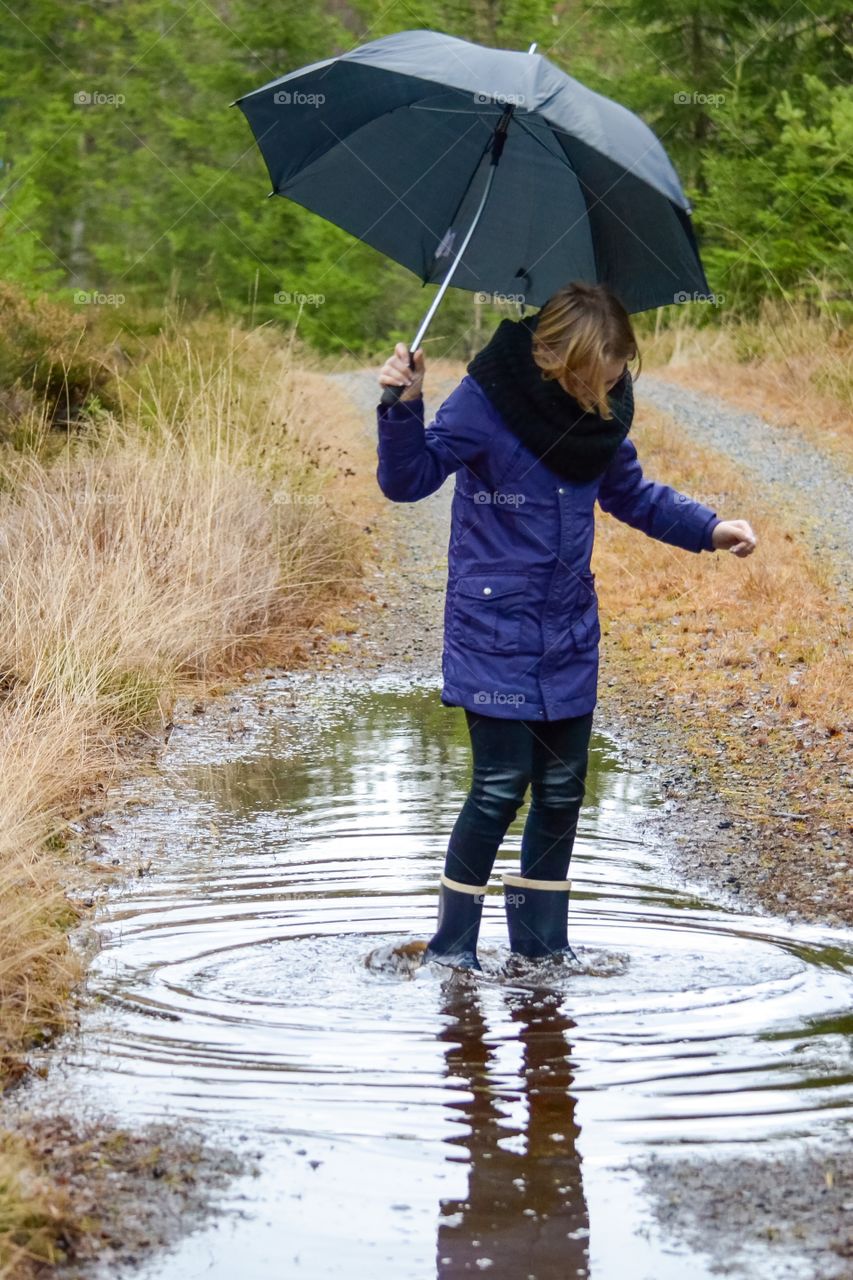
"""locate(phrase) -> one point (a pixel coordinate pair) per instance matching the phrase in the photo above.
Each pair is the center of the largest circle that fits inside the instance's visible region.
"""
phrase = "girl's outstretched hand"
(735, 536)
(396, 371)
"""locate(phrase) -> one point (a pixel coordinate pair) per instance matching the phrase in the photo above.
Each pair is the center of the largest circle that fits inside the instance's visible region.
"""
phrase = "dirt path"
(403, 627)
(810, 486)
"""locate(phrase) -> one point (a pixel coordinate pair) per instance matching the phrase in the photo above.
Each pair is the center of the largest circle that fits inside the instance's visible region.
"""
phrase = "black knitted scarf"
(577, 444)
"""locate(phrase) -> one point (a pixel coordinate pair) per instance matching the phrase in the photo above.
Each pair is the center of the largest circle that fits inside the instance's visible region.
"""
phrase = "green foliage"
(125, 174)
(25, 259)
(782, 220)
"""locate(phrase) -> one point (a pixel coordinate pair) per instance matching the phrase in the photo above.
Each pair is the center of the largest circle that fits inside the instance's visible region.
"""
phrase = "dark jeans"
(508, 755)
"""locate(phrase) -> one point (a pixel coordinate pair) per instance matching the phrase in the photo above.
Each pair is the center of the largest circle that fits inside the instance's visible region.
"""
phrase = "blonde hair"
(579, 328)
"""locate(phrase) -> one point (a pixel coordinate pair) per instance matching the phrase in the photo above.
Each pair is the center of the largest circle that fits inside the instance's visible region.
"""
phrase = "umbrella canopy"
(393, 142)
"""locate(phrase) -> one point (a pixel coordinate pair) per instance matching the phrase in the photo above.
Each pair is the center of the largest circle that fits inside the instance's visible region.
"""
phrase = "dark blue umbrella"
(489, 167)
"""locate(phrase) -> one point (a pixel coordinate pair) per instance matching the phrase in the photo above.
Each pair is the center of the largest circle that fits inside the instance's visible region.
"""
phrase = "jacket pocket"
(488, 610)
(585, 631)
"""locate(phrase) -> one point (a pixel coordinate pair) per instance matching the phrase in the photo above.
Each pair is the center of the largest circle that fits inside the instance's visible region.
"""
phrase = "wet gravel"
(119, 1196)
(761, 1219)
(792, 475)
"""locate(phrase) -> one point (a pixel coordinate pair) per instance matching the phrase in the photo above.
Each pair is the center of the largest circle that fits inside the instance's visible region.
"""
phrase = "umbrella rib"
(461, 199)
(598, 199)
(560, 156)
(451, 111)
(379, 178)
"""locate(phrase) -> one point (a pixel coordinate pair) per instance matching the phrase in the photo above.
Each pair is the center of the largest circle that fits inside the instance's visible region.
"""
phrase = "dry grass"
(790, 368)
(36, 1217)
(48, 756)
(749, 655)
(190, 537)
(206, 526)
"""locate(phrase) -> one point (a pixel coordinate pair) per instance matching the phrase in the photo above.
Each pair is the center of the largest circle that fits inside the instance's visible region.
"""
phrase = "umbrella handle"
(390, 395)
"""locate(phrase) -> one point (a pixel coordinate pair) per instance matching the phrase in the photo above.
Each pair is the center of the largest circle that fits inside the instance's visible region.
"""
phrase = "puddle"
(414, 1124)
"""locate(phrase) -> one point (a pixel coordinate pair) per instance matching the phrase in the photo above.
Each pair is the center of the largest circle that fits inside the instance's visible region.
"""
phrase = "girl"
(536, 433)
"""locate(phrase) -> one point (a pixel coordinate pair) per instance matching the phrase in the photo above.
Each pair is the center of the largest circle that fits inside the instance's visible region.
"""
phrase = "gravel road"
(716, 1205)
(790, 472)
(412, 581)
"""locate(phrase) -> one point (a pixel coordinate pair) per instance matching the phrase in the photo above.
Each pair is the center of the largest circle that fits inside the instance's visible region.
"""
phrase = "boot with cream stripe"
(537, 916)
(460, 909)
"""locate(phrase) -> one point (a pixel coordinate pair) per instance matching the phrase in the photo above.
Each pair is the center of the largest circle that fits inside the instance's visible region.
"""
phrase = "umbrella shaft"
(498, 140)
(499, 137)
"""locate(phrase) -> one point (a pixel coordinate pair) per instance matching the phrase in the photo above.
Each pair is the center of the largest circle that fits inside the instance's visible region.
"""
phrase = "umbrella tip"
(532, 48)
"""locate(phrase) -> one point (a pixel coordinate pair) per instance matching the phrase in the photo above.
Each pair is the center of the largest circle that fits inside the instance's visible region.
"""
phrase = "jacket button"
(487, 591)
(561, 491)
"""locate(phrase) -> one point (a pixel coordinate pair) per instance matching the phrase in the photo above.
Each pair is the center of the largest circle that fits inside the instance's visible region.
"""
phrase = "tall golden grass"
(204, 527)
(189, 536)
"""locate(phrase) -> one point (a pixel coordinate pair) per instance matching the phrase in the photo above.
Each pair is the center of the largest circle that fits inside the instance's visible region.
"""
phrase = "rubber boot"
(537, 916)
(460, 908)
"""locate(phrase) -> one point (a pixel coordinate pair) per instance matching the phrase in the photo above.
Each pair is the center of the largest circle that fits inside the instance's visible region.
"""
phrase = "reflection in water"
(414, 1124)
(524, 1212)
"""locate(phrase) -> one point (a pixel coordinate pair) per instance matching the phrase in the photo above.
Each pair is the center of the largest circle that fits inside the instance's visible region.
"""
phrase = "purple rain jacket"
(521, 626)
